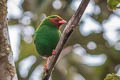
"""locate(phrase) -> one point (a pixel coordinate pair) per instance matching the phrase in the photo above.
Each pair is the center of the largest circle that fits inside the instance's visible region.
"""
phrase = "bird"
(47, 36)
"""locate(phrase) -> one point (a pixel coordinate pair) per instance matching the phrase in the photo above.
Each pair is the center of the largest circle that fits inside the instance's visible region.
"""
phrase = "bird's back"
(46, 39)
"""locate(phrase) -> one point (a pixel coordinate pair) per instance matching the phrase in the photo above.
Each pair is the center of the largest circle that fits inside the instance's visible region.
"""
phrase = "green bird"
(48, 34)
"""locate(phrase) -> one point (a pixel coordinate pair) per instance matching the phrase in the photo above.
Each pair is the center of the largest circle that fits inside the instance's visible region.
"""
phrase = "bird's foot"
(53, 52)
(46, 65)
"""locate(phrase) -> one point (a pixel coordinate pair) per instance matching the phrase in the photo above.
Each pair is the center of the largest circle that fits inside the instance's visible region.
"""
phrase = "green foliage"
(112, 77)
(27, 49)
(113, 4)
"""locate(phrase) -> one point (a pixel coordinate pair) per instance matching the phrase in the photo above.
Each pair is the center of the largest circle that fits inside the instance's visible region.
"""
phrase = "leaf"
(113, 4)
(112, 77)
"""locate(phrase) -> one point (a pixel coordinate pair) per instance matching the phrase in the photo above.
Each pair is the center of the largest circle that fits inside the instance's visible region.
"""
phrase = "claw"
(53, 52)
(46, 65)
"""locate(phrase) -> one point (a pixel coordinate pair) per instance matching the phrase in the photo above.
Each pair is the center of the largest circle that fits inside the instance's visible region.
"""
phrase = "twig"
(73, 22)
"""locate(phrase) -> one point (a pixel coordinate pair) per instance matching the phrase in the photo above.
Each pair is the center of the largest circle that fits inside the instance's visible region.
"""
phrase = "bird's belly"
(45, 44)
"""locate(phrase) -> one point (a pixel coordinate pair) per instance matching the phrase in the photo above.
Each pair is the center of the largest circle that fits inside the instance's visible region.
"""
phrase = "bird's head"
(56, 20)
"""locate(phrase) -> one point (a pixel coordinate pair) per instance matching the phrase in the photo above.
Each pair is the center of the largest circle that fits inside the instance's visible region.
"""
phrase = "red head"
(57, 21)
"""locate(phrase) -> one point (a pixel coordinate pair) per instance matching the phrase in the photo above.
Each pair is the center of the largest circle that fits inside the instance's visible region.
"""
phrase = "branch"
(7, 67)
(73, 22)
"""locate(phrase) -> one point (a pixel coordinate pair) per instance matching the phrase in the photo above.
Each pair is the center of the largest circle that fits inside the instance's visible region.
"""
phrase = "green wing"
(46, 39)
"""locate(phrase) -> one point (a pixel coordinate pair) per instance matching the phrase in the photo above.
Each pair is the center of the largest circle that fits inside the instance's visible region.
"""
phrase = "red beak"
(62, 22)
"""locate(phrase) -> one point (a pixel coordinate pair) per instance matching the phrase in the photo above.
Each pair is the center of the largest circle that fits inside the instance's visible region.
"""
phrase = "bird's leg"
(46, 65)
(47, 61)
(53, 52)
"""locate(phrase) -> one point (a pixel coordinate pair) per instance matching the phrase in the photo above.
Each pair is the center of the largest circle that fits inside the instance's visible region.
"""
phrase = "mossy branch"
(73, 22)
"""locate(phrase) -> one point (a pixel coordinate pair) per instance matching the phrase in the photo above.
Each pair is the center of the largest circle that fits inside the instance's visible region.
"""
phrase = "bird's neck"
(51, 24)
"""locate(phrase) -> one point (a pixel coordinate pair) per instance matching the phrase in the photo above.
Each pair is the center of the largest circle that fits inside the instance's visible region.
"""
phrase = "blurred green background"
(92, 51)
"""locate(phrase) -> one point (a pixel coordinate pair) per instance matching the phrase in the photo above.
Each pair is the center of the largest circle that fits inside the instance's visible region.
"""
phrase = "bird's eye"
(56, 20)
